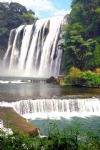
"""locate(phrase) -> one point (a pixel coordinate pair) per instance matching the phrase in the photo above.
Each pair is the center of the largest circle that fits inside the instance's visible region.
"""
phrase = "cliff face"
(2, 52)
(61, 41)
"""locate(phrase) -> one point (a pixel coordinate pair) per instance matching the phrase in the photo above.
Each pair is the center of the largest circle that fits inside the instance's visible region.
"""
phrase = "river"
(17, 88)
(43, 103)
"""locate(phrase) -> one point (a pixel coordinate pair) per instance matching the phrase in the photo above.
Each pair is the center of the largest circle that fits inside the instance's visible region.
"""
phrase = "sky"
(45, 8)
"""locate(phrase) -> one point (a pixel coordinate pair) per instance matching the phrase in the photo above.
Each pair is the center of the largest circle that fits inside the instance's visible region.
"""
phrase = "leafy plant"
(82, 37)
(87, 79)
(61, 139)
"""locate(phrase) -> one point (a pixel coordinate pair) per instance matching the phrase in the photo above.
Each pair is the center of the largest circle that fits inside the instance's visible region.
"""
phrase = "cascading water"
(56, 108)
(33, 50)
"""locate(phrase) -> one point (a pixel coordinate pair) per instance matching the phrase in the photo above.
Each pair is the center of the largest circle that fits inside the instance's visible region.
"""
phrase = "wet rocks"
(52, 80)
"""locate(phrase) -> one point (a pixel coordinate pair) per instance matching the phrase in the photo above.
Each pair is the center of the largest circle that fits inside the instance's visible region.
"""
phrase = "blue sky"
(46, 8)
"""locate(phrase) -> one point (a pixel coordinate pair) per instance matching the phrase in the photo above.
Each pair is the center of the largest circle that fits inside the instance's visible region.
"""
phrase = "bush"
(72, 75)
(97, 70)
(65, 139)
(87, 79)
(74, 72)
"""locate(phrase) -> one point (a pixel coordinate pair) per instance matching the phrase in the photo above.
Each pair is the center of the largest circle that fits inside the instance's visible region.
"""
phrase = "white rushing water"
(55, 108)
(33, 50)
(13, 81)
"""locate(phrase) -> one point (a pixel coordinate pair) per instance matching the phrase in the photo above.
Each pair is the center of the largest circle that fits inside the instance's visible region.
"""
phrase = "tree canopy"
(82, 39)
(12, 15)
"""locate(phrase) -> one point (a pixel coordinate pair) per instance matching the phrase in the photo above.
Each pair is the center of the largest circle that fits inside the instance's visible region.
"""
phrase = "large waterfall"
(33, 50)
(55, 107)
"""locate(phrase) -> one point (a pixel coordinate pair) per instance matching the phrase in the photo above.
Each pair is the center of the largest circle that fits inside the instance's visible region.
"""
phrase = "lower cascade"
(55, 106)
(33, 50)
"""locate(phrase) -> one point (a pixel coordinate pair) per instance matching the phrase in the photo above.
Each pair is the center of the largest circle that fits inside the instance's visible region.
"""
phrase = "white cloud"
(60, 12)
(40, 6)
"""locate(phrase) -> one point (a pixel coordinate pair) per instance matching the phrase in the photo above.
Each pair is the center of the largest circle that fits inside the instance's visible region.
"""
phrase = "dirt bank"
(13, 120)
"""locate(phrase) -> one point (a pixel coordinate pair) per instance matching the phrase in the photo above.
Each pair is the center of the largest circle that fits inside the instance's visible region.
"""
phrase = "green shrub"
(61, 139)
(87, 79)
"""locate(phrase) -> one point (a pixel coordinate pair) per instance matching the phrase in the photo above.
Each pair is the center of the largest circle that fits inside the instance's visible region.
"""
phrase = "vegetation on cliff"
(82, 39)
(12, 15)
(82, 43)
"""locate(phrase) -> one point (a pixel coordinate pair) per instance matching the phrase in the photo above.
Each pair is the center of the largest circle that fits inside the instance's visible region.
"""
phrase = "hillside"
(82, 39)
(12, 15)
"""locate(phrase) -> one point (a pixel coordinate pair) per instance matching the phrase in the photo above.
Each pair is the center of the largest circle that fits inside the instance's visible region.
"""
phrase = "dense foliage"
(86, 79)
(82, 45)
(11, 16)
(66, 139)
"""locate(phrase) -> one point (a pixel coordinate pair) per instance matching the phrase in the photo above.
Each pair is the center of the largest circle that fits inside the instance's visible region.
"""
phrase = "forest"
(12, 15)
(82, 40)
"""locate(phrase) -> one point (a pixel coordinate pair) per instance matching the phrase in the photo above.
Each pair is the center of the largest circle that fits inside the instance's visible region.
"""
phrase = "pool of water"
(82, 124)
(14, 89)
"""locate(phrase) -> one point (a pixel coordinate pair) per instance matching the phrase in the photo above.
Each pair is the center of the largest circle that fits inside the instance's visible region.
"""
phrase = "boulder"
(52, 80)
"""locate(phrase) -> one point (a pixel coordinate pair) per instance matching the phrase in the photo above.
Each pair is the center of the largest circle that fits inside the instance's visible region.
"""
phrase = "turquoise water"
(82, 124)
(15, 89)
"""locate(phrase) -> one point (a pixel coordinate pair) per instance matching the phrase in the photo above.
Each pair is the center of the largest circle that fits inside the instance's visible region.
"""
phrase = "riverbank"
(79, 78)
(14, 121)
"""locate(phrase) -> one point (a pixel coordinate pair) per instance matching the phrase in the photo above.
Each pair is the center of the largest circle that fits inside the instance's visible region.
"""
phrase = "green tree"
(11, 16)
(79, 50)
(82, 37)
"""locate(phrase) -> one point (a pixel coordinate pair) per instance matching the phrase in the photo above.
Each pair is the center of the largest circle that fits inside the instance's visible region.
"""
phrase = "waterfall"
(10, 44)
(33, 50)
(90, 106)
(15, 48)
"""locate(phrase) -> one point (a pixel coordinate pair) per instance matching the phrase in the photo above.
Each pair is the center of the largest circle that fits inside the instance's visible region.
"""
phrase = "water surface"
(13, 89)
